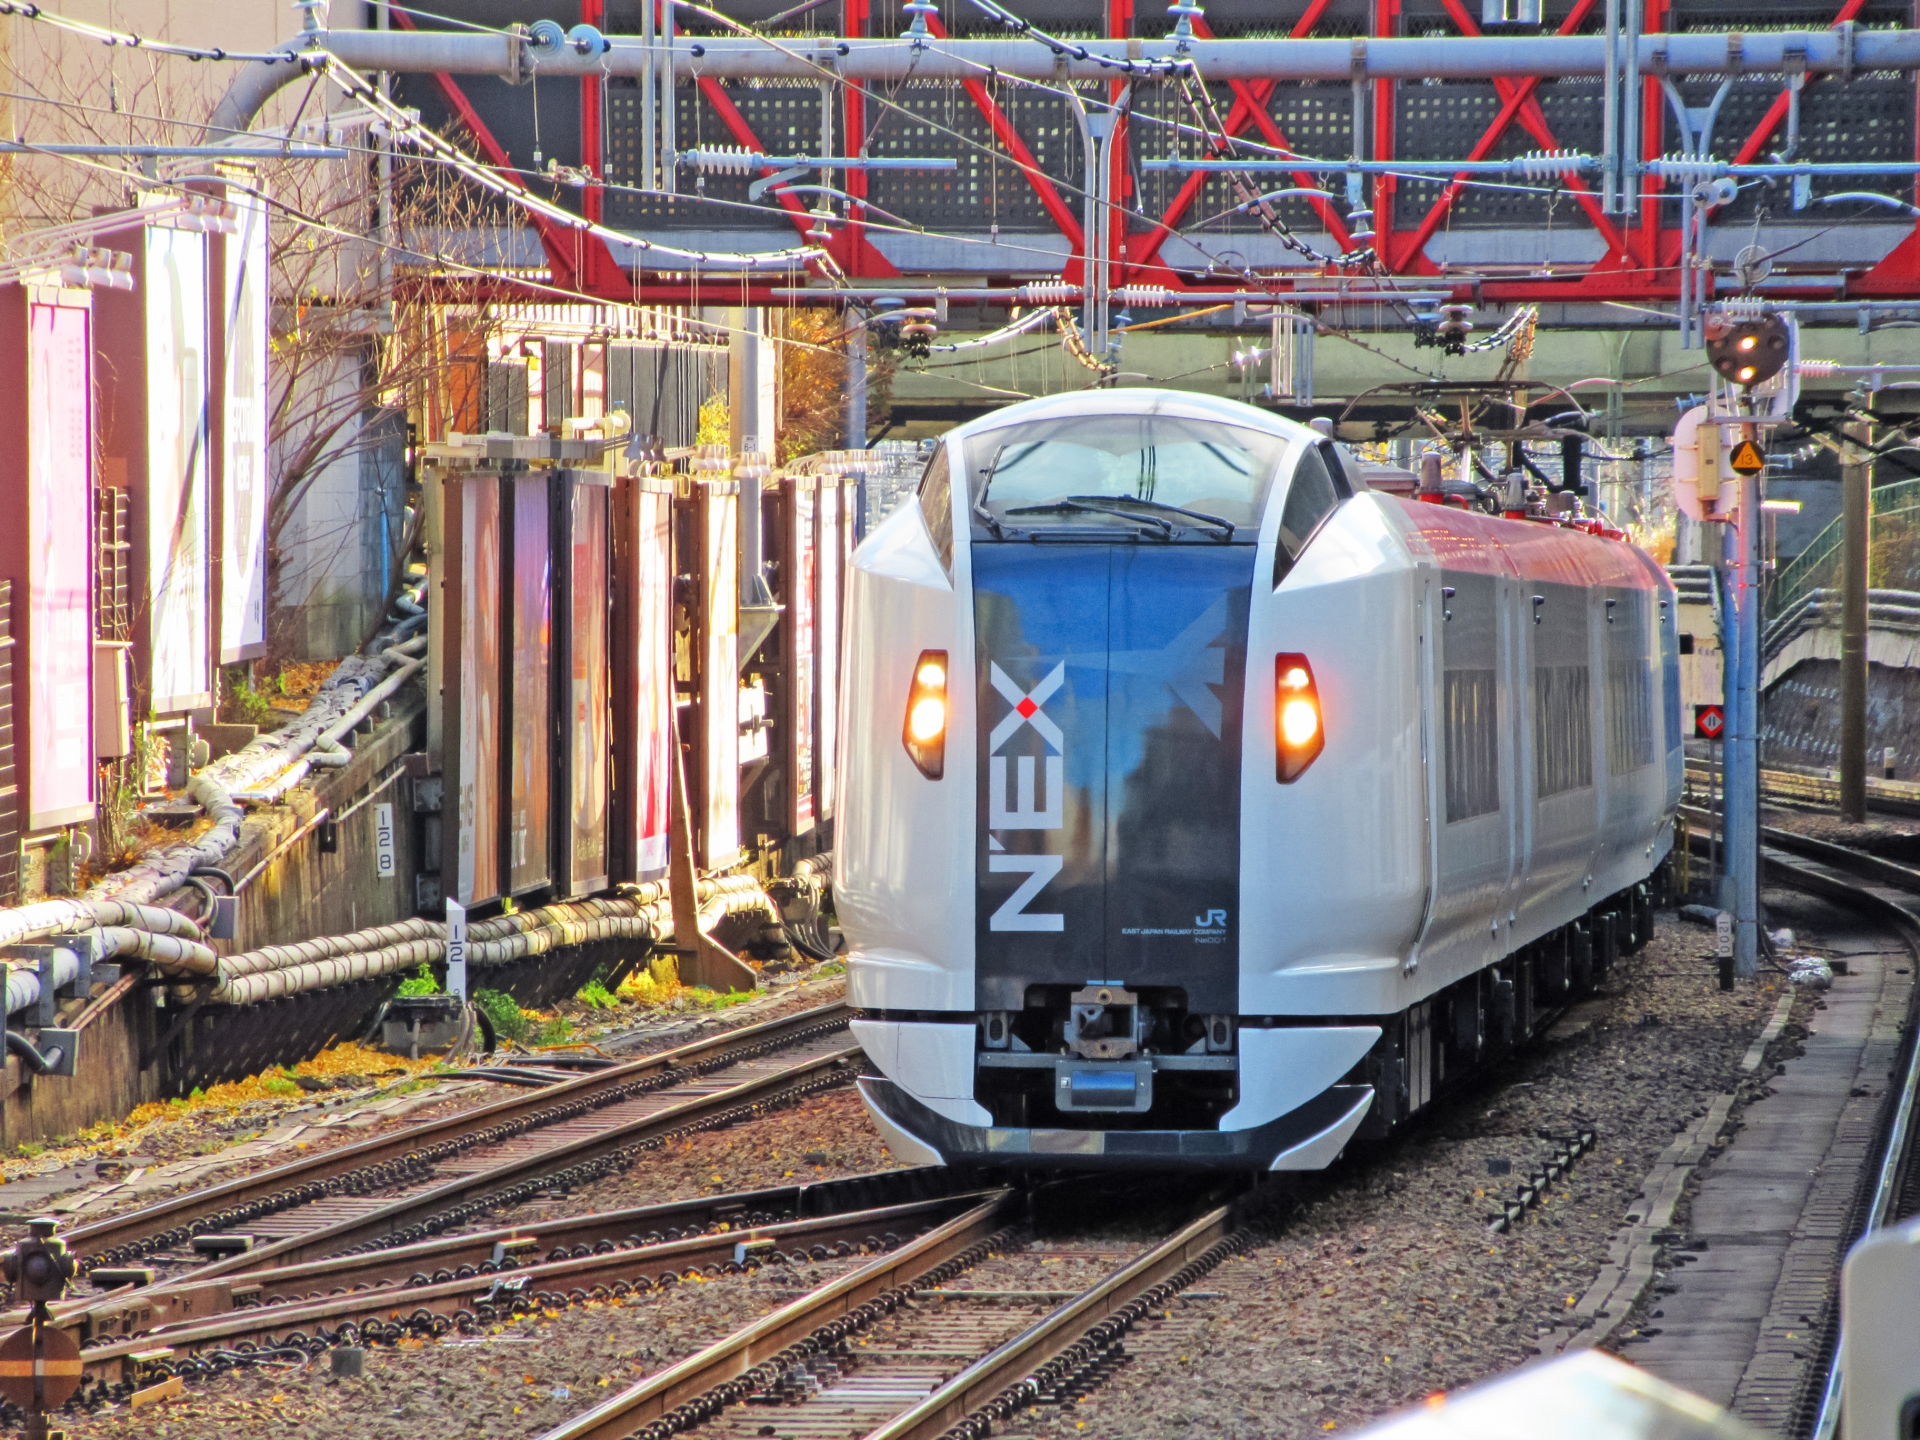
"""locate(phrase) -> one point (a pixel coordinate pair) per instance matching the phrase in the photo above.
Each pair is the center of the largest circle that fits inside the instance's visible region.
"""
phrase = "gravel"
(515, 1380)
(1386, 1285)
(1380, 1286)
(200, 1131)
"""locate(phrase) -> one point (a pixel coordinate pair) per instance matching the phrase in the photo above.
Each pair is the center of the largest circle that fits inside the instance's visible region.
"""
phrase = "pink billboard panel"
(588, 694)
(827, 552)
(803, 636)
(720, 674)
(59, 606)
(652, 668)
(530, 591)
(477, 734)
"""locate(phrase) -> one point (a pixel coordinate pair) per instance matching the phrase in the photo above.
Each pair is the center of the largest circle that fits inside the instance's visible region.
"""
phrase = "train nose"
(1111, 680)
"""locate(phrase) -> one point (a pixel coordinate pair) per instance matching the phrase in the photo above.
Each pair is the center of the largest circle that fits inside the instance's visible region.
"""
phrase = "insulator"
(1049, 292)
(724, 159)
(1817, 369)
(1546, 164)
(1685, 167)
(1142, 295)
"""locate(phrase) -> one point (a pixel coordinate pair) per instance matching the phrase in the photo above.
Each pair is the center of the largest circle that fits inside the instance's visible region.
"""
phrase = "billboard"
(59, 611)
(243, 436)
(529, 698)
(643, 676)
(802, 634)
(585, 697)
(473, 692)
(175, 300)
(718, 505)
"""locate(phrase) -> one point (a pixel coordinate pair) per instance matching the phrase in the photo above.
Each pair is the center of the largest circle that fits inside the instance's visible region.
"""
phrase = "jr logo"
(1212, 920)
(1027, 812)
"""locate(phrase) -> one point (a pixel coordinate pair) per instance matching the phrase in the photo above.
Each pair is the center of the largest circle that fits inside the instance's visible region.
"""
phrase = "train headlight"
(925, 734)
(1299, 727)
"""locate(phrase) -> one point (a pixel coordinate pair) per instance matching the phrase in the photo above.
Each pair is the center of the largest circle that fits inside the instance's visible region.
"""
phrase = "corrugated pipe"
(165, 871)
(169, 952)
(23, 985)
(643, 916)
(271, 792)
(48, 917)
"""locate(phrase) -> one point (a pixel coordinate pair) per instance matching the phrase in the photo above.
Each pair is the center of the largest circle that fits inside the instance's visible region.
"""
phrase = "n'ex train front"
(1038, 860)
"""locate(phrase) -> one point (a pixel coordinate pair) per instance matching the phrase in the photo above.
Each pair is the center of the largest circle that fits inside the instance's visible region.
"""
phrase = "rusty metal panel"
(643, 680)
(240, 420)
(582, 518)
(717, 527)
(56, 740)
(799, 582)
(472, 595)
(527, 786)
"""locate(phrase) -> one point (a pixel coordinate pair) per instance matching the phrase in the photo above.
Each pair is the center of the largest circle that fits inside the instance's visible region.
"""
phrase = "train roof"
(1141, 400)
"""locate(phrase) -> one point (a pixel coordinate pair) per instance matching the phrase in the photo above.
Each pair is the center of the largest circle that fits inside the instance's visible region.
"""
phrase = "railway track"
(1890, 1190)
(898, 1351)
(195, 1250)
(1801, 790)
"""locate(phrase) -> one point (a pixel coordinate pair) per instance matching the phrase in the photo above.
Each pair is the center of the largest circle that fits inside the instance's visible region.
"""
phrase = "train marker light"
(925, 734)
(1299, 731)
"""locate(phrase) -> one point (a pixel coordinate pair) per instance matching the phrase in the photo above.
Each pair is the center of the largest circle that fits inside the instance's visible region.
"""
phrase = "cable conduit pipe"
(41, 1063)
(23, 985)
(47, 917)
(272, 790)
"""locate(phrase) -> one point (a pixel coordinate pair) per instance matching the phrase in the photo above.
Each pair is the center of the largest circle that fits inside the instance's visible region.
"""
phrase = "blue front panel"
(1111, 681)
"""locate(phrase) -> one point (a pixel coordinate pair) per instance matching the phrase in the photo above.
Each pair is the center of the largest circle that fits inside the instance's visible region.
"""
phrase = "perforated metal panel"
(1314, 120)
(1444, 121)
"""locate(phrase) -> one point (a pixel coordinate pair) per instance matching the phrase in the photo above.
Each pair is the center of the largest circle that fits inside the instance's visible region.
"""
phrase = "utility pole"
(1856, 498)
(856, 421)
(1740, 889)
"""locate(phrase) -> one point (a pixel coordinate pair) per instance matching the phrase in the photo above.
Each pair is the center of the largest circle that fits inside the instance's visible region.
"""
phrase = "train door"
(1474, 853)
(1560, 787)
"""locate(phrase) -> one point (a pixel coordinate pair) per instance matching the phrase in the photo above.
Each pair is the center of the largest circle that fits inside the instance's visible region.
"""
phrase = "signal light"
(925, 731)
(1298, 725)
(1747, 352)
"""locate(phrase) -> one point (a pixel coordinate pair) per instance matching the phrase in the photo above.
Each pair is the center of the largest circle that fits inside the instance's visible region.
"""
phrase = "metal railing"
(1893, 551)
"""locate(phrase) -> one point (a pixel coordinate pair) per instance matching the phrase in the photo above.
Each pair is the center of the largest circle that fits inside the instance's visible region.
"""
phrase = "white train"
(1204, 807)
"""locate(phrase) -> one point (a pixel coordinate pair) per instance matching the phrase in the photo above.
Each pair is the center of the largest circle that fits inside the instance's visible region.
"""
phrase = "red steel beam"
(573, 257)
(1050, 199)
(1249, 104)
(1777, 111)
(1518, 102)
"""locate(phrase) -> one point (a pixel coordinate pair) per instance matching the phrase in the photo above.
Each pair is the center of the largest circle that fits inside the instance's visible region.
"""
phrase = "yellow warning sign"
(1747, 459)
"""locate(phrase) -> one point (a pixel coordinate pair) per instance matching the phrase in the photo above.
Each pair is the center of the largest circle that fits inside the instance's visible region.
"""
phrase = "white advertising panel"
(177, 539)
(243, 471)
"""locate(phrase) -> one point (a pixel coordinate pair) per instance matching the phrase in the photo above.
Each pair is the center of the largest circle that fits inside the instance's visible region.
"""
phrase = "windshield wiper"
(1094, 504)
(1163, 507)
(981, 512)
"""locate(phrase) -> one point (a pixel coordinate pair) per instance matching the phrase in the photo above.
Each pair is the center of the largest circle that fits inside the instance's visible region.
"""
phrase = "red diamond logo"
(1026, 709)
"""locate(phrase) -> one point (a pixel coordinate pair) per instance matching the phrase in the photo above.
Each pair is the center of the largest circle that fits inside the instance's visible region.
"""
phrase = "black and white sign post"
(456, 949)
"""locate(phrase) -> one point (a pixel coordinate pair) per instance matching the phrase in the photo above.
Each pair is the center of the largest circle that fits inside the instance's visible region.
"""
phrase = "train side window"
(936, 506)
(1312, 496)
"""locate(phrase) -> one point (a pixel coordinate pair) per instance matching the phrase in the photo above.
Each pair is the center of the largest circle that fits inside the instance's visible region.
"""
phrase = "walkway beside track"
(1739, 1316)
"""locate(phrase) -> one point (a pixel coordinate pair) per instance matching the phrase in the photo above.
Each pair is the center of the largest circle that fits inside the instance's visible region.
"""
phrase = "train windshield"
(1152, 475)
